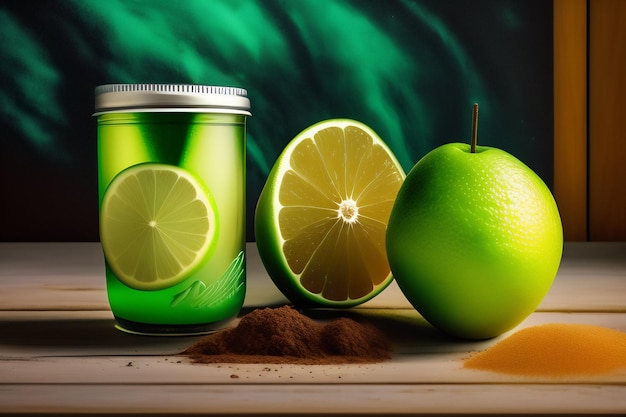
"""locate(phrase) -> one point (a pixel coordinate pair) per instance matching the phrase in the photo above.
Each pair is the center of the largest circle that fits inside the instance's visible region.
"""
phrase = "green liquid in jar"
(211, 148)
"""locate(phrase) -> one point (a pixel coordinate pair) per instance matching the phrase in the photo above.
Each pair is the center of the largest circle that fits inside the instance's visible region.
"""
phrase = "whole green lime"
(474, 240)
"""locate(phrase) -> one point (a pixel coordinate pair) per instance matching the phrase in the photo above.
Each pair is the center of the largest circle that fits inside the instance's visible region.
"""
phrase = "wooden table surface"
(60, 353)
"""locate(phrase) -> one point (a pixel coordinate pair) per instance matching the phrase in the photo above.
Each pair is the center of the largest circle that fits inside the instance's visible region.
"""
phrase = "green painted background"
(410, 69)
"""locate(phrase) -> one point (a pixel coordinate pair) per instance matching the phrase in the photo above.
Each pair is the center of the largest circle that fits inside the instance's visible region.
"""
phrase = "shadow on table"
(407, 331)
(89, 336)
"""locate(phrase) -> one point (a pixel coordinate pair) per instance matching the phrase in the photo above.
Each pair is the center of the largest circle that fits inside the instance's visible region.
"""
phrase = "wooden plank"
(72, 361)
(146, 370)
(607, 107)
(570, 115)
(589, 273)
(85, 373)
(297, 399)
(70, 276)
(42, 275)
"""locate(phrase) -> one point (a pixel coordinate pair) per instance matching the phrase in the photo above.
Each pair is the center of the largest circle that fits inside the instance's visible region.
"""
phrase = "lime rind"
(145, 257)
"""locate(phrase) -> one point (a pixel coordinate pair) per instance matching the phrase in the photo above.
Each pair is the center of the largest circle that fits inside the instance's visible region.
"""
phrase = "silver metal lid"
(171, 97)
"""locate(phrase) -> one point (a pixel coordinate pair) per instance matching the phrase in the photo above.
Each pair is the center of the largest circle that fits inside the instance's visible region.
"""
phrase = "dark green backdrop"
(409, 69)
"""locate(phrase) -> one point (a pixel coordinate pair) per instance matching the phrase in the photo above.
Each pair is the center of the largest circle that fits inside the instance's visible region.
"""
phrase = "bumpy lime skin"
(474, 241)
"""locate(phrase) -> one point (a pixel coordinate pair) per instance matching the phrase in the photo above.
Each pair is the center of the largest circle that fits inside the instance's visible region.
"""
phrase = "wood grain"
(607, 111)
(70, 276)
(570, 116)
(328, 399)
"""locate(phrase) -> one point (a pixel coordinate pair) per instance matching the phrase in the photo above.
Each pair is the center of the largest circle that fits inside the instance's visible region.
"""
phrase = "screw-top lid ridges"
(175, 97)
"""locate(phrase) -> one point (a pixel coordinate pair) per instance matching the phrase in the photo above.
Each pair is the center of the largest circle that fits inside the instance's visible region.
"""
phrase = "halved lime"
(157, 223)
(321, 218)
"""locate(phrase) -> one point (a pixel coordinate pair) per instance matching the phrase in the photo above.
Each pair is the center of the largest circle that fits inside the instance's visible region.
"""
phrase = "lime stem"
(474, 129)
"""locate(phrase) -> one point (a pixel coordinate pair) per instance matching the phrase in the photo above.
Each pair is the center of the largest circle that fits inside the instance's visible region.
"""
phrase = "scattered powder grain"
(283, 335)
(555, 350)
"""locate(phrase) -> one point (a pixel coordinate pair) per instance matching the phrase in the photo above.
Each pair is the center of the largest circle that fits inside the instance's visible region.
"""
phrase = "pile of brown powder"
(555, 350)
(283, 335)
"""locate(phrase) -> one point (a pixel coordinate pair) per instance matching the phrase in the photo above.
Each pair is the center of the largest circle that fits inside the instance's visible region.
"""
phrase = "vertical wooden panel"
(607, 119)
(570, 115)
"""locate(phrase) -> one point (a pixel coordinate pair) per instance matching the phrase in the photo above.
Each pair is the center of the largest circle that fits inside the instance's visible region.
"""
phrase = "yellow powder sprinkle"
(555, 350)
